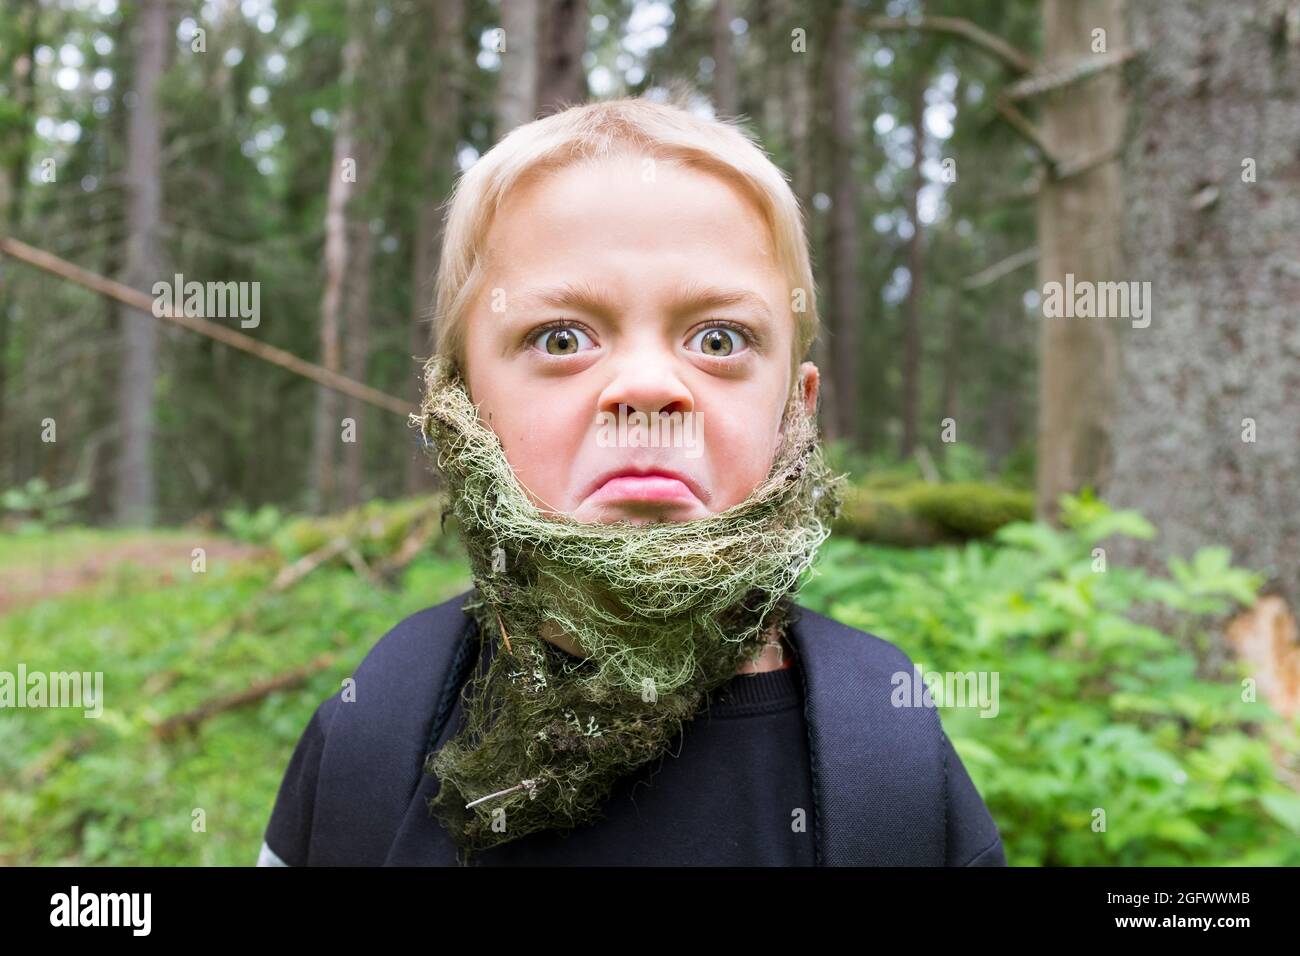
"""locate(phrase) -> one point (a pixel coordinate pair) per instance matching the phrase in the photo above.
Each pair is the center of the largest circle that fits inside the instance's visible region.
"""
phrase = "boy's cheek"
(544, 450)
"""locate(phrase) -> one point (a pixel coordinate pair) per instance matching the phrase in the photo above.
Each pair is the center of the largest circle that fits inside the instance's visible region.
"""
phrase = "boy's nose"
(645, 385)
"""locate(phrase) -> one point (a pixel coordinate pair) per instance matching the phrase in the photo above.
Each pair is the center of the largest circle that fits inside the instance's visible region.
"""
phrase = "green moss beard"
(663, 613)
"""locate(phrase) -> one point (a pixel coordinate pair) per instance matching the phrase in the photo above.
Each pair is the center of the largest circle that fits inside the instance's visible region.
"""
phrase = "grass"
(128, 798)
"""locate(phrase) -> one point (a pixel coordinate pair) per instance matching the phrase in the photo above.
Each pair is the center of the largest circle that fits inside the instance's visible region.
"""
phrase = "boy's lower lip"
(643, 488)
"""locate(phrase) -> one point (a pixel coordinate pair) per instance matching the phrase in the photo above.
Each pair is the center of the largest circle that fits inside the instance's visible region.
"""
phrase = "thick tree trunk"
(134, 493)
(845, 278)
(561, 80)
(1212, 220)
(1078, 228)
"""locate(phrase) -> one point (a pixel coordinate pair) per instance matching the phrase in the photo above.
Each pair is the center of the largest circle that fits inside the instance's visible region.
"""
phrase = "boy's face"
(595, 297)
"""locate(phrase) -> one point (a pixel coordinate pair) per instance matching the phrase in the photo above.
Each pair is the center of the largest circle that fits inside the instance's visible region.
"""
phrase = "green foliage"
(1097, 710)
(126, 798)
(376, 528)
(253, 527)
(36, 506)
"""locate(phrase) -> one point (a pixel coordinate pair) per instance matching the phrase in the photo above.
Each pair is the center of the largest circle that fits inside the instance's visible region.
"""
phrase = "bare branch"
(1055, 77)
(1081, 164)
(245, 343)
(1018, 60)
(1020, 123)
(999, 269)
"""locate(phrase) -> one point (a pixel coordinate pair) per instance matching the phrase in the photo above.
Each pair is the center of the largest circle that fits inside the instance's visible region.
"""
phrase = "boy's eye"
(561, 340)
(719, 341)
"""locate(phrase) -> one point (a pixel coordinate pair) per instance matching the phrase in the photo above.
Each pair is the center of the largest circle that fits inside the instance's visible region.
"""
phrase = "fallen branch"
(191, 719)
(293, 573)
(237, 340)
(410, 549)
(358, 564)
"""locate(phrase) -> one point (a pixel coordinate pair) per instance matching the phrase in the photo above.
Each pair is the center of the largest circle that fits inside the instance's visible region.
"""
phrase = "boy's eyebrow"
(584, 295)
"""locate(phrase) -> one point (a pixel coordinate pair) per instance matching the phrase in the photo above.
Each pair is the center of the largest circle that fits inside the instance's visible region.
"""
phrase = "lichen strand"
(663, 613)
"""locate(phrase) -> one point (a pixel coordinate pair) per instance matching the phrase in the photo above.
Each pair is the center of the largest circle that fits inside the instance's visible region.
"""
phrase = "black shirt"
(735, 789)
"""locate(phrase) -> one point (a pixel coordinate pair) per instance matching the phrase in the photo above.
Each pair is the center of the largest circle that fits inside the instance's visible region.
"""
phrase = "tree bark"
(441, 110)
(22, 84)
(798, 106)
(357, 356)
(517, 90)
(1217, 85)
(726, 97)
(135, 492)
(911, 404)
(342, 187)
(948, 403)
(562, 81)
(845, 280)
(1078, 223)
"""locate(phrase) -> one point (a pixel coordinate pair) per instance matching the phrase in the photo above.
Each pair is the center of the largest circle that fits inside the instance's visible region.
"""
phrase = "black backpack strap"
(878, 770)
(375, 746)
(467, 652)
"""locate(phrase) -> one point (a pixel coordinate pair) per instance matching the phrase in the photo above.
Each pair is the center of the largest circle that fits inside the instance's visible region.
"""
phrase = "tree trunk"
(562, 81)
(1078, 223)
(441, 111)
(1212, 175)
(798, 106)
(952, 370)
(345, 169)
(357, 355)
(1004, 415)
(517, 90)
(22, 84)
(726, 98)
(845, 280)
(135, 493)
(765, 27)
(911, 405)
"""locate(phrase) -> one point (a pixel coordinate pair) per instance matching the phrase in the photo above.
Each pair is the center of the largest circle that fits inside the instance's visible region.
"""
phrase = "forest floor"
(41, 567)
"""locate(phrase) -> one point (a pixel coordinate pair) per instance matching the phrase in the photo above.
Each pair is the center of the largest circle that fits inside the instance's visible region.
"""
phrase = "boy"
(619, 412)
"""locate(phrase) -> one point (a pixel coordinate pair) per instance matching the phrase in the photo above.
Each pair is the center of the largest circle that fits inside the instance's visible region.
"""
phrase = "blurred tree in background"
(940, 150)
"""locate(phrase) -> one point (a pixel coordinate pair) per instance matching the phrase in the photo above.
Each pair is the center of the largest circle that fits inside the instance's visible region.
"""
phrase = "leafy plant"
(1107, 747)
(36, 506)
(256, 527)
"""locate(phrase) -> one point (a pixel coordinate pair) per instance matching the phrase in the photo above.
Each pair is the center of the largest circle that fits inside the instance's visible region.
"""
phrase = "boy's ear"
(810, 386)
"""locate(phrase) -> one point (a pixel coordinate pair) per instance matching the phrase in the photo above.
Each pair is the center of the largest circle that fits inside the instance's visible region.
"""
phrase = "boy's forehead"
(625, 187)
(540, 224)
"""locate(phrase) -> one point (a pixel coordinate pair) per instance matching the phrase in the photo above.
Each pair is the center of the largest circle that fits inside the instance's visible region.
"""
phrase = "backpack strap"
(878, 770)
(375, 746)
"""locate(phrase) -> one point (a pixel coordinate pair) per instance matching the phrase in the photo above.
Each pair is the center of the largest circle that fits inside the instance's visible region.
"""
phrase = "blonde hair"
(663, 130)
